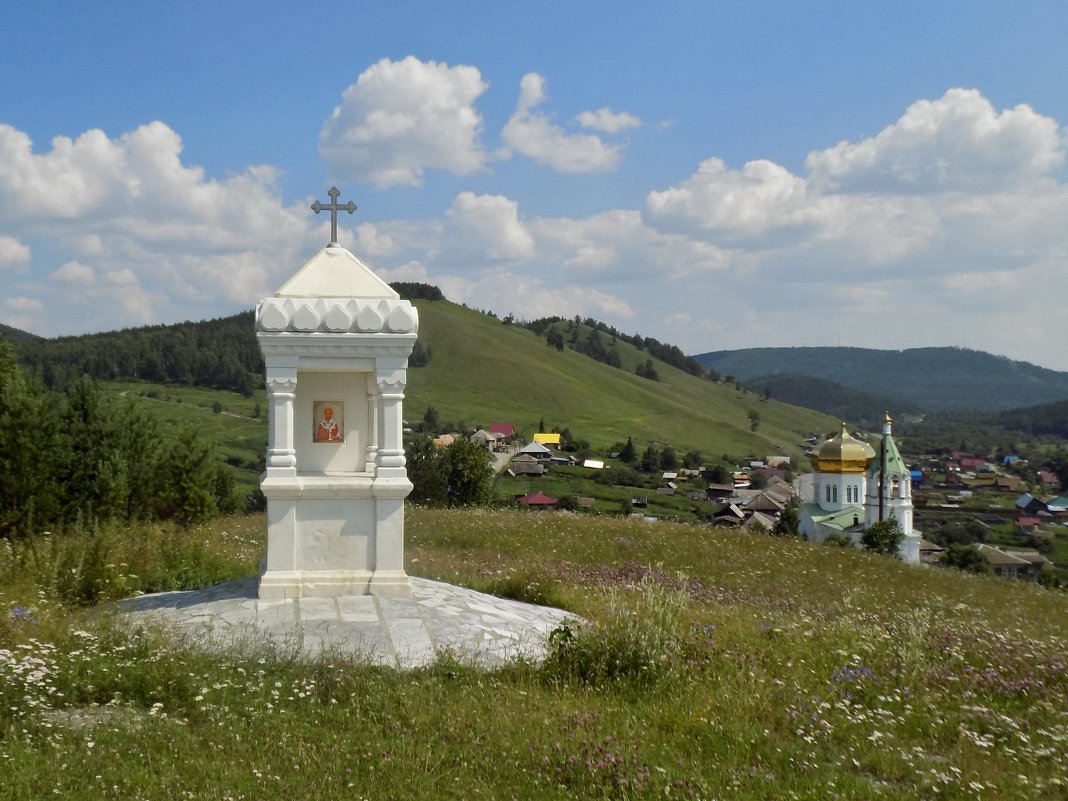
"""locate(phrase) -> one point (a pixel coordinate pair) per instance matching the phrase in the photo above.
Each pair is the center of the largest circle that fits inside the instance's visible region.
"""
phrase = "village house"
(552, 440)
(1014, 564)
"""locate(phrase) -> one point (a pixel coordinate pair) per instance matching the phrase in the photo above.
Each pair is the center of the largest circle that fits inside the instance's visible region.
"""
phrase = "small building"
(1011, 484)
(767, 503)
(537, 450)
(506, 430)
(729, 515)
(552, 440)
(719, 492)
(526, 465)
(485, 439)
(537, 500)
(759, 522)
(1014, 564)
(1049, 479)
(930, 552)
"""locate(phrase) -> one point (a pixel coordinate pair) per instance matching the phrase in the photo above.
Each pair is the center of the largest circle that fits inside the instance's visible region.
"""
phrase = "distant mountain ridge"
(930, 378)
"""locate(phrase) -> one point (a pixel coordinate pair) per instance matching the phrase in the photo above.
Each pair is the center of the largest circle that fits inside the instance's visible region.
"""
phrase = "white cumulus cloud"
(74, 273)
(401, 118)
(604, 119)
(959, 141)
(158, 231)
(13, 254)
(487, 227)
(20, 304)
(528, 297)
(534, 135)
(760, 196)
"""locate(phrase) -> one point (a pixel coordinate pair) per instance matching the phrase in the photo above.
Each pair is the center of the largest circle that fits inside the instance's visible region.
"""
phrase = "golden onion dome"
(843, 454)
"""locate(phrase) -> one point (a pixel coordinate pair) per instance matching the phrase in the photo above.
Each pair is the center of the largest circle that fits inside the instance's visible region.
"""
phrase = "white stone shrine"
(336, 340)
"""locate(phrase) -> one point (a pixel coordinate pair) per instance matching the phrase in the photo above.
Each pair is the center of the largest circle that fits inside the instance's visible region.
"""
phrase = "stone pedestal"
(336, 341)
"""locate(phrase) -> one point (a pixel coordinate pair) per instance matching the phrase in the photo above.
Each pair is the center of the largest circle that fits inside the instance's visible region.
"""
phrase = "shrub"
(527, 588)
(839, 540)
(966, 558)
(638, 643)
(883, 537)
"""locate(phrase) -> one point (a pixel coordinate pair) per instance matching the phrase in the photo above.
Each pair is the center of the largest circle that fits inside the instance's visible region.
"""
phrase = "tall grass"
(715, 665)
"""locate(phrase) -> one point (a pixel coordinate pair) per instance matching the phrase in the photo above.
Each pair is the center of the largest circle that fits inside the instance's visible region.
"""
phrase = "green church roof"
(892, 458)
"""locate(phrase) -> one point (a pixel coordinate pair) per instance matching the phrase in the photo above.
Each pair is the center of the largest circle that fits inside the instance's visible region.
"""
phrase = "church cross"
(333, 207)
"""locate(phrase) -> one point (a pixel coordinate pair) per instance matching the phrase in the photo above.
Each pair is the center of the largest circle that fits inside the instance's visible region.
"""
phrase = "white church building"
(856, 486)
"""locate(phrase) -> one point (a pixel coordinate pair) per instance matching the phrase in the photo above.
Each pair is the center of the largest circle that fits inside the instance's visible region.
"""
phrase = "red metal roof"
(537, 499)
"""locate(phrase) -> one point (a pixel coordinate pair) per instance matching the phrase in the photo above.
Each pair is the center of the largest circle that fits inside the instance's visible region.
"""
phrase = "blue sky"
(716, 175)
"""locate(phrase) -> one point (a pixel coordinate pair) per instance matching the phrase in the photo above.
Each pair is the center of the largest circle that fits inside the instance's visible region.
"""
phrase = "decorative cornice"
(336, 316)
(347, 346)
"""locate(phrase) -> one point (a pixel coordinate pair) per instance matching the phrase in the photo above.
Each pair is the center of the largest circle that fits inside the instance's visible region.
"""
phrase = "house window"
(828, 493)
(834, 493)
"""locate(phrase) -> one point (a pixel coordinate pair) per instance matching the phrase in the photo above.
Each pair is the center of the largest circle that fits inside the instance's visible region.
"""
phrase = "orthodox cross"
(333, 207)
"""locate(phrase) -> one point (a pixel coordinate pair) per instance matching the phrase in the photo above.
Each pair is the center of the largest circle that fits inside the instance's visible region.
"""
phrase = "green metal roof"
(841, 520)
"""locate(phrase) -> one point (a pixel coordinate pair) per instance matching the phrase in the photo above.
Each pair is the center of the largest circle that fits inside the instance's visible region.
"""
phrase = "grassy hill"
(740, 666)
(484, 371)
(933, 378)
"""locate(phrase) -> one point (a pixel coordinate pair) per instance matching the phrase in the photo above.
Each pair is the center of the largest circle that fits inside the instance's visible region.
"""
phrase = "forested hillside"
(1050, 419)
(865, 409)
(218, 354)
(14, 334)
(931, 378)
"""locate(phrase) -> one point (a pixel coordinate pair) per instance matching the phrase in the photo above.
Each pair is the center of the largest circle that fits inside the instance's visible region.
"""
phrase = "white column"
(281, 451)
(390, 455)
(372, 423)
(390, 487)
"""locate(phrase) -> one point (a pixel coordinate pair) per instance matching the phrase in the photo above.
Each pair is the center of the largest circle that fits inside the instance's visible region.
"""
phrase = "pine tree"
(650, 460)
(187, 494)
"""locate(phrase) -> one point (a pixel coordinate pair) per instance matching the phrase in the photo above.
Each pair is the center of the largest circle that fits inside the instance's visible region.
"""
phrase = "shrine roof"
(334, 272)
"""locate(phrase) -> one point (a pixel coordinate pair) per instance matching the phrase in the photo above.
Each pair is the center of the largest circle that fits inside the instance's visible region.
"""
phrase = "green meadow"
(713, 664)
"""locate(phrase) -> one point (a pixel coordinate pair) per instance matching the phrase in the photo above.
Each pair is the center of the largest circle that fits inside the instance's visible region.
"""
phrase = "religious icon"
(328, 419)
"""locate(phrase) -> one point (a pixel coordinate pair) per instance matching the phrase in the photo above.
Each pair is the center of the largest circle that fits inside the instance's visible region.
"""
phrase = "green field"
(719, 665)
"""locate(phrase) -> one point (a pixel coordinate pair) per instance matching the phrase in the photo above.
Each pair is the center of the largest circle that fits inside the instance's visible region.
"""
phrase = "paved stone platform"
(404, 633)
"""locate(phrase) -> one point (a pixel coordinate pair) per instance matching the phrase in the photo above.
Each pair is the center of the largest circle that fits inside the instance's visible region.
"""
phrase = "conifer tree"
(188, 480)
